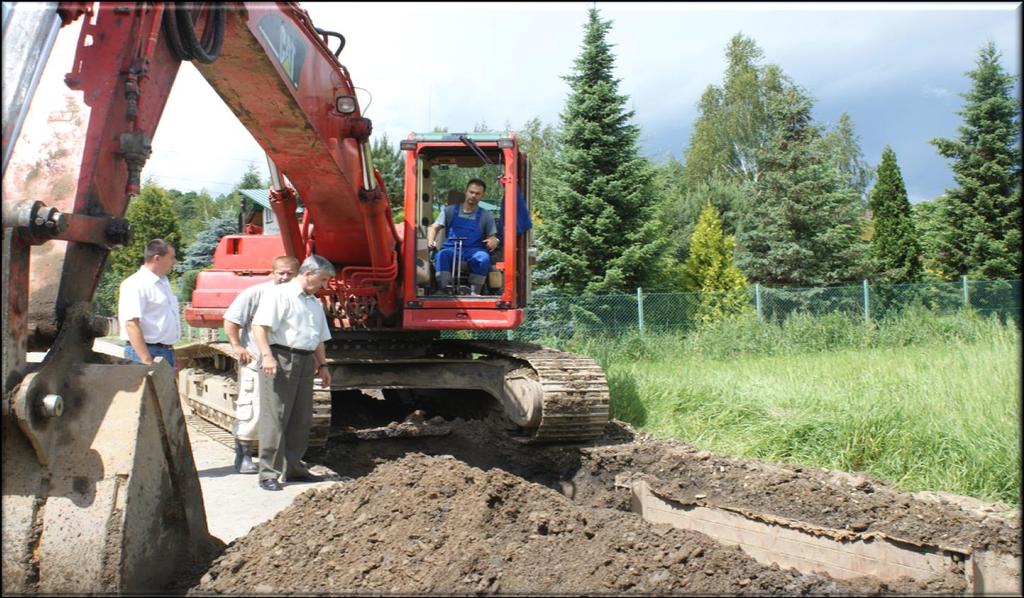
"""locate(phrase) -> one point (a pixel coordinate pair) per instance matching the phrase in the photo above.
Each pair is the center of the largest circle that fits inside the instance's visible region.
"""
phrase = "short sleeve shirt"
(486, 219)
(241, 312)
(146, 296)
(296, 319)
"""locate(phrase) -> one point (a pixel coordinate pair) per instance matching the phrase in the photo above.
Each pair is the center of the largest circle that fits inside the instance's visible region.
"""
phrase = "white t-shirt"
(241, 312)
(296, 319)
(146, 296)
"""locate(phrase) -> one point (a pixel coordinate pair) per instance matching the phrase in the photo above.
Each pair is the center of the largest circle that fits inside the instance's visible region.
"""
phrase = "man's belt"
(160, 345)
(290, 350)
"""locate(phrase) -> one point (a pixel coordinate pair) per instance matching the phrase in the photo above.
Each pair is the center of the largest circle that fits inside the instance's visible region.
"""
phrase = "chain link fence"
(553, 315)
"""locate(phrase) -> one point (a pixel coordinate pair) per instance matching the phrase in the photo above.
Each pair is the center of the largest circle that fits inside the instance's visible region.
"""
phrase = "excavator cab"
(442, 164)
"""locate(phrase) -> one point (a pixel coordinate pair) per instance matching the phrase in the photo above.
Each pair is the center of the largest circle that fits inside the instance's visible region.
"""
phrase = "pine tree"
(805, 224)
(895, 247)
(711, 270)
(151, 217)
(982, 215)
(599, 233)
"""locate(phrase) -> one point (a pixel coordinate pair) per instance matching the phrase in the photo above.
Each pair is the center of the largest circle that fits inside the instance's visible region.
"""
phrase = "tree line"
(764, 193)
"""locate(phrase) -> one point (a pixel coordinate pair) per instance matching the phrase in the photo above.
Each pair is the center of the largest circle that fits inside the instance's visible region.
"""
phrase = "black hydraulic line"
(180, 31)
(341, 38)
(476, 148)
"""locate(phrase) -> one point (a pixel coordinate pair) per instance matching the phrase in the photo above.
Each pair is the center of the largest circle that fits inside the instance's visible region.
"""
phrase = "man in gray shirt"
(251, 383)
(290, 328)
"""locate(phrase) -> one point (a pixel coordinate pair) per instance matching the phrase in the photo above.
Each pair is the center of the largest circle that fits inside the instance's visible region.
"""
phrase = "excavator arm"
(98, 450)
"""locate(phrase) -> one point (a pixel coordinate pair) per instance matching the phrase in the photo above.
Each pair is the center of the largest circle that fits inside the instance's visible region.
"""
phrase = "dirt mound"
(435, 525)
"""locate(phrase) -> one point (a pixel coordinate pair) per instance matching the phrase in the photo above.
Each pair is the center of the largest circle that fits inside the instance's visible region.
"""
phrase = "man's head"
(314, 273)
(160, 257)
(475, 189)
(284, 269)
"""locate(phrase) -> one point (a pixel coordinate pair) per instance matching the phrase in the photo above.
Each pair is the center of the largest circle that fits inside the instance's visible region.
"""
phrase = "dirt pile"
(436, 525)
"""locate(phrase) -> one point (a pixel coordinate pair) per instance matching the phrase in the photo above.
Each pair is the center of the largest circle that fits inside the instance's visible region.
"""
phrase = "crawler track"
(575, 406)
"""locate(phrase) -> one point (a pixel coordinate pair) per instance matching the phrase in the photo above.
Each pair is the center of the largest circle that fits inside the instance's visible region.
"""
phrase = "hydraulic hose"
(180, 31)
(341, 38)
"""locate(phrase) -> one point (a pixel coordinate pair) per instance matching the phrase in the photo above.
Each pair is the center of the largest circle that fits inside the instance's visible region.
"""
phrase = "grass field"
(927, 402)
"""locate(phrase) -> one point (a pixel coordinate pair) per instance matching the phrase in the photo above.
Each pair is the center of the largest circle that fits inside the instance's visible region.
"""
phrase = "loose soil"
(477, 512)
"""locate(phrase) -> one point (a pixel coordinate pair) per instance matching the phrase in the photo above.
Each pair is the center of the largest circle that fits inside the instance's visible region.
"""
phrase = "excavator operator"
(472, 235)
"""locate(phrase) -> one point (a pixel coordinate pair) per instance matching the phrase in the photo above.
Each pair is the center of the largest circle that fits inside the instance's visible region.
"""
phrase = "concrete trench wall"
(841, 554)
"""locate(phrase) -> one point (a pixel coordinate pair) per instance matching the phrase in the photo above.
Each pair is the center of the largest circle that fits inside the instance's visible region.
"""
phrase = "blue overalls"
(473, 250)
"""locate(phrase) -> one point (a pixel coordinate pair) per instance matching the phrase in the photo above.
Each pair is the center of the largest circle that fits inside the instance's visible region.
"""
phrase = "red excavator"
(100, 491)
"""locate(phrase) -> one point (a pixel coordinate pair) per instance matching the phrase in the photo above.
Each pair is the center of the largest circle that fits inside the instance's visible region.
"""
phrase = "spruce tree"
(895, 248)
(200, 253)
(982, 215)
(805, 224)
(599, 233)
(711, 270)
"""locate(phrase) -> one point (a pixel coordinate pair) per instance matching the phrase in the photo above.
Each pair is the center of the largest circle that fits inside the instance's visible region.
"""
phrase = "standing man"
(476, 228)
(147, 309)
(290, 328)
(251, 385)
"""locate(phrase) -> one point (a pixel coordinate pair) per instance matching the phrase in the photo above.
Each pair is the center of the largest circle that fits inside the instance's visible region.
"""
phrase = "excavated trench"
(474, 511)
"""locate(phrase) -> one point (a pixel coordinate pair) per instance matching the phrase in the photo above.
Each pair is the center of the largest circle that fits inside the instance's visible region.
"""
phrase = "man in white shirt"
(251, 383)
(290, 329)
(147, 310)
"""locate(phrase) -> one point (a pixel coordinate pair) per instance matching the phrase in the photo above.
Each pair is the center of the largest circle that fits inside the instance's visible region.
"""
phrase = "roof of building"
(261, 197)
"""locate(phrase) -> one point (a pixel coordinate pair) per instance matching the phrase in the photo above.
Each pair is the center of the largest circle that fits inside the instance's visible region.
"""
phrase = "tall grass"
(928, 402)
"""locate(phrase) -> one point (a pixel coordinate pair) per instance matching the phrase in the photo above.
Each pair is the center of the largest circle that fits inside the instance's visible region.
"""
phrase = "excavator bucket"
(117, 507)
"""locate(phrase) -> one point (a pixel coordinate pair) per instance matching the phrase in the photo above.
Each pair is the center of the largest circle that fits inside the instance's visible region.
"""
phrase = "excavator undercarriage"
(547, 395)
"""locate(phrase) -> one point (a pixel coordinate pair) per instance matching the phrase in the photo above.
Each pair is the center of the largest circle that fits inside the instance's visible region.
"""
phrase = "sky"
(896, 68)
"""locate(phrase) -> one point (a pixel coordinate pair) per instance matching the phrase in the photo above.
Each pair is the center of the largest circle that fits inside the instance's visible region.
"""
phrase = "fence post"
(967, 295)
(757, 300)
(867, 309)
(640, 308)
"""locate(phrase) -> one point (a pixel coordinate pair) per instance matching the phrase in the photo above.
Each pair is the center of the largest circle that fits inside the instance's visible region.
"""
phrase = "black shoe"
(238, 455)
(270, 484)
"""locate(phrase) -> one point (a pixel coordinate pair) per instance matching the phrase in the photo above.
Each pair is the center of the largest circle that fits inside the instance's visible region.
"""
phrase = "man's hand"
(491, 243)
(242, 354)
(269, 365)
(325, 376)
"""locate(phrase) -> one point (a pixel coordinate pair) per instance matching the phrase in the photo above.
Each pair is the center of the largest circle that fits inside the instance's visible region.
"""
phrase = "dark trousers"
(286, 416)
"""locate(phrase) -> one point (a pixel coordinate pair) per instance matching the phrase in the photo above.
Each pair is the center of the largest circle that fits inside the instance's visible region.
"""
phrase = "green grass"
(926, 402)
